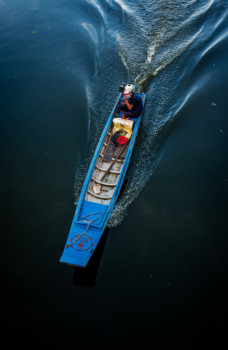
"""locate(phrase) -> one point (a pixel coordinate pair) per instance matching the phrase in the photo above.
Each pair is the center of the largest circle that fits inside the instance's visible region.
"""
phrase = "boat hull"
(93, 210)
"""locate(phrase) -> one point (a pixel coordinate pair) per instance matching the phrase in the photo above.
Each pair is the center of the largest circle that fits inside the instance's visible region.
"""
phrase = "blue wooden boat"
(100, 190)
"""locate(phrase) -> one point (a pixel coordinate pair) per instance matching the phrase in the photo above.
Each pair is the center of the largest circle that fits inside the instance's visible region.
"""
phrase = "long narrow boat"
(101, 187)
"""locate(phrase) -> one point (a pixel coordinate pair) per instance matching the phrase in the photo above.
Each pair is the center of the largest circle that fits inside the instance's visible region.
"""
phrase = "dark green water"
(159, 276)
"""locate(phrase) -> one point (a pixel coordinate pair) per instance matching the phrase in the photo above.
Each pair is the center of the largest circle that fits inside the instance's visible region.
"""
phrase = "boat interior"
(110, 162)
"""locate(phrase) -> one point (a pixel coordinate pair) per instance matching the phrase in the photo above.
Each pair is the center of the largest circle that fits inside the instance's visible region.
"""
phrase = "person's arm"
(127, 103)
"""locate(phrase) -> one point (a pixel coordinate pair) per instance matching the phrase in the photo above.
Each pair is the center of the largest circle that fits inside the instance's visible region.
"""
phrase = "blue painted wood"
(80, 247)
(91, 218)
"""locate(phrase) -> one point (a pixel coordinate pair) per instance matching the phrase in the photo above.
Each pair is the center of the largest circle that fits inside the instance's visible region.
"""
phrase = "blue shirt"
(136, 101)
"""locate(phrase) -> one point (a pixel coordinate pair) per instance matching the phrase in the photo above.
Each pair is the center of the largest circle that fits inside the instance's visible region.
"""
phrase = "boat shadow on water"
(87, 276)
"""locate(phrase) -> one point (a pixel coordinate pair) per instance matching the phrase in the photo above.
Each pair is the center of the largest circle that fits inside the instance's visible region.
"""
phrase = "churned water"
(159, 277)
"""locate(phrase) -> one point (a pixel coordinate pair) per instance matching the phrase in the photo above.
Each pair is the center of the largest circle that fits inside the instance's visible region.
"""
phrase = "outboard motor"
(122, 87)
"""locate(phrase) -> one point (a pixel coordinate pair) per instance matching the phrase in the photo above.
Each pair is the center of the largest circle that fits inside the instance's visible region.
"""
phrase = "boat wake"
(153, 43)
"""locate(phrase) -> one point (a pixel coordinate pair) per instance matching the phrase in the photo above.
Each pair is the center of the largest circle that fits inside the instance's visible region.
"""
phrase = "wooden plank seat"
(98, 195)
(111, 171)
(104, 183)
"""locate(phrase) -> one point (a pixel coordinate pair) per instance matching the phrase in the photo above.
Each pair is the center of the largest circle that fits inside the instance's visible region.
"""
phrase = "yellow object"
(123, 124)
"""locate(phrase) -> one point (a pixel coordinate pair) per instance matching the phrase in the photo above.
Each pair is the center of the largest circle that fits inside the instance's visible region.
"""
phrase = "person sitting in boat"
(132, 105)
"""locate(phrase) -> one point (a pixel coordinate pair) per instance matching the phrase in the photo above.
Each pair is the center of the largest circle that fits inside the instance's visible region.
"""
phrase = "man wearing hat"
(132, 105)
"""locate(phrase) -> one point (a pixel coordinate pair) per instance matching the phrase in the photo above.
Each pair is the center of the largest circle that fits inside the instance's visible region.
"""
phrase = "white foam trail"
(193, 90)
(124, 6)
(154, 47)
(150, 54)
(95, 4)
(167, 58)
(201, 11)
(190, 3)
(92, 31)
(220, 20)
(215, 42)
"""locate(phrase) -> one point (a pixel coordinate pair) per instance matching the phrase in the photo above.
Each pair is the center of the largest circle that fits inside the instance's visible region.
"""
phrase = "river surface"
(159, 276)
